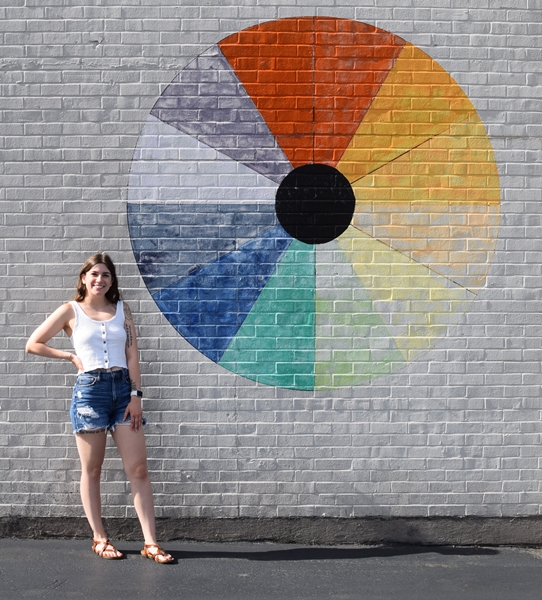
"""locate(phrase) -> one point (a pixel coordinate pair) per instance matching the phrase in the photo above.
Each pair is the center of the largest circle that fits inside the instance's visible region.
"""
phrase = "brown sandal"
(156, 553)
(102, 547)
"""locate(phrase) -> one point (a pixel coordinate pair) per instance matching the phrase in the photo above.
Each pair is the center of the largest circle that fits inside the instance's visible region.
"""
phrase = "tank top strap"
(77, 310)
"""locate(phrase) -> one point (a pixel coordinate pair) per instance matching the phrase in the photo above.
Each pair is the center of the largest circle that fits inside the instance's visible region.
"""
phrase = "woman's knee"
(138, 471)
(92, 472)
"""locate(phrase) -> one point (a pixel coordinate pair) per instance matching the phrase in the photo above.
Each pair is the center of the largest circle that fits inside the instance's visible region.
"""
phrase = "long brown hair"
(113, 294)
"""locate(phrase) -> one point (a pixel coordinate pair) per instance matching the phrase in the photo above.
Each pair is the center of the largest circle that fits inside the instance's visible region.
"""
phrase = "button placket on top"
(104, 340)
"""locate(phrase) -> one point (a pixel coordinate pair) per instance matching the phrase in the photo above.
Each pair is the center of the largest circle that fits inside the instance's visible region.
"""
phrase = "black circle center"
(315, 203)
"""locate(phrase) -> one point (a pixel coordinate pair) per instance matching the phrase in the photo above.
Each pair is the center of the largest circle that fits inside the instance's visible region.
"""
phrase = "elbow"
(29, 348)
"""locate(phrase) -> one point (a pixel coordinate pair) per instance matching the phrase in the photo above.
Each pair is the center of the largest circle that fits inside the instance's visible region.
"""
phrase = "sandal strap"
(155, 553)
(107, 547)
(100, 543)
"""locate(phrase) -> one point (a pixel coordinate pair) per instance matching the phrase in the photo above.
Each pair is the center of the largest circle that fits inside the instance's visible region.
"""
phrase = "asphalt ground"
(68, 569)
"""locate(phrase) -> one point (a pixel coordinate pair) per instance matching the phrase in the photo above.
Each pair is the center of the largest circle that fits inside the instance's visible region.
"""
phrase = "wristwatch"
(137, 393)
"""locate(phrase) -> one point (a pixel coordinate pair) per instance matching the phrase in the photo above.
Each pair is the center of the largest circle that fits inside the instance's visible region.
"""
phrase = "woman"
(106, 396)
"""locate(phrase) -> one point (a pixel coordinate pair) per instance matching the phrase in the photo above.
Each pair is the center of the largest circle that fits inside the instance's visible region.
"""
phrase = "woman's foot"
(156, 553)
(106, 550)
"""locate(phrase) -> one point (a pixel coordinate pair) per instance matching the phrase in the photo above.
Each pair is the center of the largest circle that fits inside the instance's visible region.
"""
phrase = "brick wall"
(454, 432)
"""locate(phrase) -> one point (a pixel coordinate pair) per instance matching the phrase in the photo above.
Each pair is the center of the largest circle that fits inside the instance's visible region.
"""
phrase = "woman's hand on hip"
(76, 361)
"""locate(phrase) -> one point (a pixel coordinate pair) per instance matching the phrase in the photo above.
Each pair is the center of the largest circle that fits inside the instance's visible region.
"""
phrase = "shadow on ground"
(300, 554)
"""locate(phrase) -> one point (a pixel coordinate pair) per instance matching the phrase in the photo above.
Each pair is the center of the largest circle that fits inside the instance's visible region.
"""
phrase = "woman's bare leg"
(132, 449)
(91, 447)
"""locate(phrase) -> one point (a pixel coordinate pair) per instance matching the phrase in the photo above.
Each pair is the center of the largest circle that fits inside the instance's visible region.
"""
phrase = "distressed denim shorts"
(99, 400)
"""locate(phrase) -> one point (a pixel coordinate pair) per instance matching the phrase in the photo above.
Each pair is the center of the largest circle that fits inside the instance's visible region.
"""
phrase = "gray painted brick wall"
(456, 433)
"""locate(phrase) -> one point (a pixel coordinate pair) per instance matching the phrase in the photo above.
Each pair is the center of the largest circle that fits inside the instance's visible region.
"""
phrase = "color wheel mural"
(312, 202)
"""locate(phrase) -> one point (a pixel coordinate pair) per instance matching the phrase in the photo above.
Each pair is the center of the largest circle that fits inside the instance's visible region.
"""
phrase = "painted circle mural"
(313, 202)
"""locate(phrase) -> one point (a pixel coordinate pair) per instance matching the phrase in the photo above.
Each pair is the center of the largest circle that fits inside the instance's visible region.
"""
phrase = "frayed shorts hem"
(111, 428)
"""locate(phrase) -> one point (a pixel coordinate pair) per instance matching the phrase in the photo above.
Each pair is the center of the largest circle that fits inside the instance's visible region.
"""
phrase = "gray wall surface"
(454, 433)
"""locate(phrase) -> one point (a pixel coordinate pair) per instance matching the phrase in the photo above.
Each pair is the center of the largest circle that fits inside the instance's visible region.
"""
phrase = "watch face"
(313, 203)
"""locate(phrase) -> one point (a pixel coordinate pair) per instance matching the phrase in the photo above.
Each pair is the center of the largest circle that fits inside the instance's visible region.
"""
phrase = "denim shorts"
(99, 400)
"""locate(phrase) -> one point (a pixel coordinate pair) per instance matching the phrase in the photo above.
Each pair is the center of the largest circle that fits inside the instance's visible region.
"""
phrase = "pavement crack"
(52, 587)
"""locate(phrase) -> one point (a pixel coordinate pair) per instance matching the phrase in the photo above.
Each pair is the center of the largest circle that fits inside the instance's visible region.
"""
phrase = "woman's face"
(97, 280)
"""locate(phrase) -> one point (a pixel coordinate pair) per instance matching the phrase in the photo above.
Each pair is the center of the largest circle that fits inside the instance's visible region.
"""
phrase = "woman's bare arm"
(132, 353)
(55, 323)
(133, 409)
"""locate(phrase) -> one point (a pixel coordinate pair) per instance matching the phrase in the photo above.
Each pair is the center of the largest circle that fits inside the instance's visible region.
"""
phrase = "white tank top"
(99, 344)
